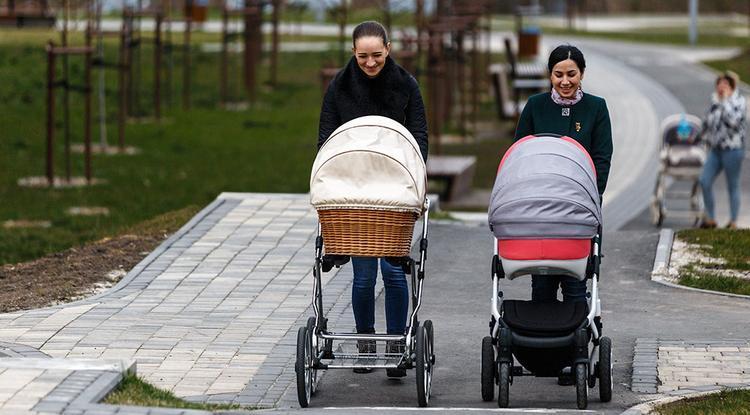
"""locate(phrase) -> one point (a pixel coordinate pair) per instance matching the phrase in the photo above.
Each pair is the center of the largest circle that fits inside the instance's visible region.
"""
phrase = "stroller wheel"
(503, 379)
(424, 366)
(431, 337)
(488, 369)
(657, 212)
(605, 369)
(314, 347)
(582, 387)
(303, 367)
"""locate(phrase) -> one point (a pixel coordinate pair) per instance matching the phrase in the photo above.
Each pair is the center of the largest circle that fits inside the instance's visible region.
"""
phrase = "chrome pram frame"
(691, 174)
(498, 348)
(315, 343)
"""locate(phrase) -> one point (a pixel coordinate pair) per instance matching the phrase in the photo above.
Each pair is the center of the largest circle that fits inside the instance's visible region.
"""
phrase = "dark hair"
(369, 28)
(730, 77)
(564, 52)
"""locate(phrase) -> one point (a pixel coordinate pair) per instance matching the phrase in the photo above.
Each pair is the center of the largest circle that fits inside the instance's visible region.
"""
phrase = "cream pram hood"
(370, 162)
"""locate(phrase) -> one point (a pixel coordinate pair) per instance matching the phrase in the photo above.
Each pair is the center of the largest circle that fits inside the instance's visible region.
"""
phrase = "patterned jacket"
(725, 125)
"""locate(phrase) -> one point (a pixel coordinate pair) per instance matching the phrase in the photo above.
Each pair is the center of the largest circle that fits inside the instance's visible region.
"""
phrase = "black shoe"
(397, 346)
(565, 378)
(365, 346)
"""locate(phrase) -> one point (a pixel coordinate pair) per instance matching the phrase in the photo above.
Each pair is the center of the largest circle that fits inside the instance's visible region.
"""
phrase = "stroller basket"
(367, 232)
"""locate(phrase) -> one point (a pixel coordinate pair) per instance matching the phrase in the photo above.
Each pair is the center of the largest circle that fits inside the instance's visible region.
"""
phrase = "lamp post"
(693, 30)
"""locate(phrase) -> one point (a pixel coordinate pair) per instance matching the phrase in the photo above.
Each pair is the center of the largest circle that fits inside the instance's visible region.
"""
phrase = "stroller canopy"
(370, 162)
(682, 129)
(545, 189)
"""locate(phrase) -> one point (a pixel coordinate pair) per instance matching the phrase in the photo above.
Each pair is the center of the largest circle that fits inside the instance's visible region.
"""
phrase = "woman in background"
(725, 130)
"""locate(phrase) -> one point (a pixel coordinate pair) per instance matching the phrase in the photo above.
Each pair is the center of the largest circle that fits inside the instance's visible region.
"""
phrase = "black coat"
(394, 93)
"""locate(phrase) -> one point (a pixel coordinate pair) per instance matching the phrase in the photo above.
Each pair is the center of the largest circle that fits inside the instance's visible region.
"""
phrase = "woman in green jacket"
(567, 110)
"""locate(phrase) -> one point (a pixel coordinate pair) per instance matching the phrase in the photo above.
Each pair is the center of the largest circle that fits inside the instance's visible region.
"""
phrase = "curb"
(661, 266)
(647, 408)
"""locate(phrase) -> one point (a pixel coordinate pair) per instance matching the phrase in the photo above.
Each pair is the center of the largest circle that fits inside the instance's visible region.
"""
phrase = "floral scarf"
(565, 102)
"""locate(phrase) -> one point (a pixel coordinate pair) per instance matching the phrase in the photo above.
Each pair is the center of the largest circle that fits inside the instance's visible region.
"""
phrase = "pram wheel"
(315, 347)
(503, 374)
(431, 337)
(582, 387)
(488, 369)
(424, 364)
(657, 213)
(605, 369)
(303, 366)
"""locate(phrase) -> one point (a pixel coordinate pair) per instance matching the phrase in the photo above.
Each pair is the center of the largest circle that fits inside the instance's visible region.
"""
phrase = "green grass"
(134, 391)
(735, 402)
(690, 276)
(739, 64)
(669, 36)
(731, 245)
(188, 159)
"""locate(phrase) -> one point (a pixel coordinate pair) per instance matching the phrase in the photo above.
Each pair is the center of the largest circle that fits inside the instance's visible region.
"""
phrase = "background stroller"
(546, 217)
(368, 184)
(681, 158)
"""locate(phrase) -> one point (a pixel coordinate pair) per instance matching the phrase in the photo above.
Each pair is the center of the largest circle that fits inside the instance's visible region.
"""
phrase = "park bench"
(523, 77)
(457, 172)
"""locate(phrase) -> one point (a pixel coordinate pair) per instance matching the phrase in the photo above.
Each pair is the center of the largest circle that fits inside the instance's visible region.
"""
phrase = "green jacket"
(587, 122)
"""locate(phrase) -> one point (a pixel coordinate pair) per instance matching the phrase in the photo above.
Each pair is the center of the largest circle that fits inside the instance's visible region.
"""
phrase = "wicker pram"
(368, 184)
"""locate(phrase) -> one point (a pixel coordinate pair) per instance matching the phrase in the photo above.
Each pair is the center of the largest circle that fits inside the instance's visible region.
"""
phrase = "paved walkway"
(212, 313)
(208, 311)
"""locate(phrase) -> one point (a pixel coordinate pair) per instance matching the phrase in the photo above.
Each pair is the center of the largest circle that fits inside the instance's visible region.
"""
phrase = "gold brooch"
(578, 126)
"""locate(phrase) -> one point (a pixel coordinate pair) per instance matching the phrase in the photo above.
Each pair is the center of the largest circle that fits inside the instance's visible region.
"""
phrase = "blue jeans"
(731, 162)
(363, 295)
(544, 288)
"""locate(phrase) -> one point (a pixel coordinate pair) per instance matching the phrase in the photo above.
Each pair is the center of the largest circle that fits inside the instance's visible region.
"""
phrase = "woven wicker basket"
(364, 232)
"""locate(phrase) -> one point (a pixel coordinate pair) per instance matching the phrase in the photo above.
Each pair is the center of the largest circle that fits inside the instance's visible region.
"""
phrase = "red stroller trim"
(543, 249)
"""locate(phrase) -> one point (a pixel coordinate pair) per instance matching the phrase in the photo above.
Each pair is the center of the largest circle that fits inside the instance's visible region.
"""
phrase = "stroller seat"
(544, 256)
(544, 319)
(684, 156)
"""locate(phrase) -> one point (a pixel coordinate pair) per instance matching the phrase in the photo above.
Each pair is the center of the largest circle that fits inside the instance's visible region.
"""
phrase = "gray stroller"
(545, 215)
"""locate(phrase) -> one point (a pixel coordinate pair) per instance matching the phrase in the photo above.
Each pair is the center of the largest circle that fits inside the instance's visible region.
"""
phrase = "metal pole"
(475, 76)
(138, 20)
(66, 91)
(170, 55)
(127, 20)
(87, 107)
(693, 33)
(251, 14)
(186, 64)
(157, 66)
(223, 69)
(461, 81)
(121, 81)
(50, 113)
(386, 4)
(419, 17)
(277, 5)
(101, 91)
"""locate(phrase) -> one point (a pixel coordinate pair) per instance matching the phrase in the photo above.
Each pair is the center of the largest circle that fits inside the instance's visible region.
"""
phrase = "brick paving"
(687, 366)
(211, 315)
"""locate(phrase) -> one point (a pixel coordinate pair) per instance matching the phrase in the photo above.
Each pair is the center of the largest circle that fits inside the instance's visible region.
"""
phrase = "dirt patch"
(72, 274)
(86, 270)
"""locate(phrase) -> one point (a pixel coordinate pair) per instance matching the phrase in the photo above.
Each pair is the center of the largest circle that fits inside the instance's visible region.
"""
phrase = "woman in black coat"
(372, 84)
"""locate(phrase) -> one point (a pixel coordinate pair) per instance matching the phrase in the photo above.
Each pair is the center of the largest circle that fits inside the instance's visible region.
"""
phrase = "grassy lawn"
(731, 246)
(188, 159)
(739, 64)
(736, 402)
(666, 36)
(134, 391)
